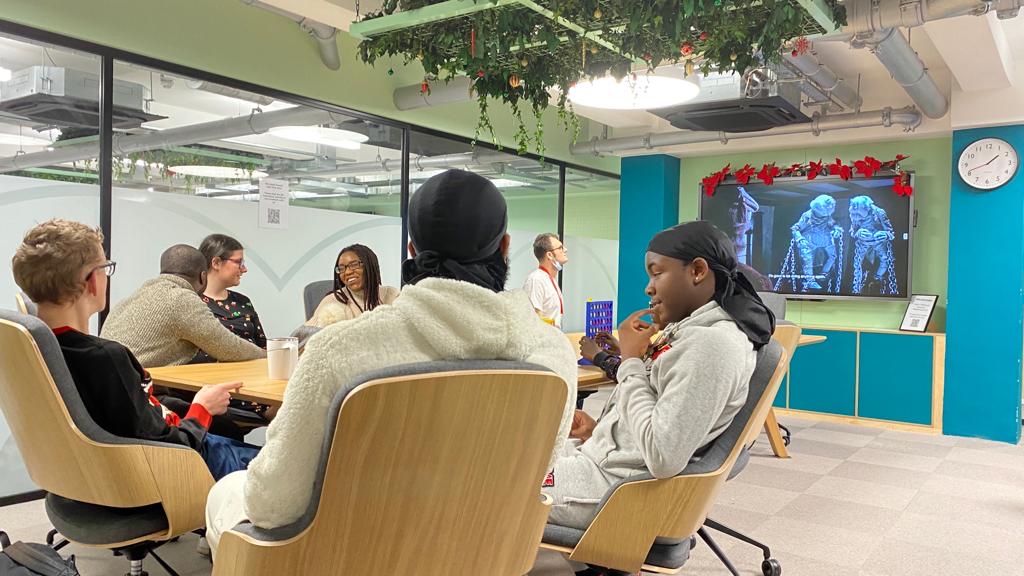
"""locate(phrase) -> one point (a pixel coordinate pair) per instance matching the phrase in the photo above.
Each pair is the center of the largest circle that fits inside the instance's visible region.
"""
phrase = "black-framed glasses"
(562, 248)
(108, 268)
(353, 266)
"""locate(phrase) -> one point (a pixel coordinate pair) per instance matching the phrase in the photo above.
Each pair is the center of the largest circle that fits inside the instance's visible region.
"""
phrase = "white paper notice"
(273, 203)
(919, 311)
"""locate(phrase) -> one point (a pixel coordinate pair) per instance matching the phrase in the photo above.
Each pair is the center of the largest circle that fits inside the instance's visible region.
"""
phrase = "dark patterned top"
(236, 313)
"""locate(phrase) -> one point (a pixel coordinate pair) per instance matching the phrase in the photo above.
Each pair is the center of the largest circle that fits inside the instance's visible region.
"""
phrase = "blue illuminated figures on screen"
(741, 212)
(872, 253)
(815, 249)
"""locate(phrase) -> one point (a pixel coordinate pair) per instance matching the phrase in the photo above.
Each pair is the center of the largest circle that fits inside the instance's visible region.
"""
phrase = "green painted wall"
(930, 159)
(229, 38)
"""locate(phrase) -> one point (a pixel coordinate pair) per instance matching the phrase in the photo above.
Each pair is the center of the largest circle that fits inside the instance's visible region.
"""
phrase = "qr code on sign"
(273, 216)
(915, 322)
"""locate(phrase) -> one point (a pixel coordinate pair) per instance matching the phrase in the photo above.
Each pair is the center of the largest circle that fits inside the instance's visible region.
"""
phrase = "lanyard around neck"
(561, 304)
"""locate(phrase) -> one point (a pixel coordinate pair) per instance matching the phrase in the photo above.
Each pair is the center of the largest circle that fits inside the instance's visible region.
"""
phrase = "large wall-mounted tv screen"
(817, 239)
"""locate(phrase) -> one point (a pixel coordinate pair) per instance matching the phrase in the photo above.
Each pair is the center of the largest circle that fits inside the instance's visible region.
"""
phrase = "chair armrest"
(183, 482)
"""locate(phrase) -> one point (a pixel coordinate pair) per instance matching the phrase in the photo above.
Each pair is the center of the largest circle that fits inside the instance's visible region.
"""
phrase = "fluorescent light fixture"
(226, 172)
(506, 183)
(646, 92)
(20, 140)
(5, 74)
(333, 137)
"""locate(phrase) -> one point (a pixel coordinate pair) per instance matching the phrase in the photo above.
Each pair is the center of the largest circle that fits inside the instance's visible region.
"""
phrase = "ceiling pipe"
(229, 92)
(895, 53)
(457, 89)
(255, 123)
(325, 35)
(908, 117)
(824, 79)
(394, 165)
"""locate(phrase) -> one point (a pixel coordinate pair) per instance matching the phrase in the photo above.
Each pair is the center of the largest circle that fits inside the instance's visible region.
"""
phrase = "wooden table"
(771, 424)
(258, 387)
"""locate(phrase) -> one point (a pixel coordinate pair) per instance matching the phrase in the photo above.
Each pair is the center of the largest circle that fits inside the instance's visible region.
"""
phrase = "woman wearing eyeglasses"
(225, 260)
(357, 288)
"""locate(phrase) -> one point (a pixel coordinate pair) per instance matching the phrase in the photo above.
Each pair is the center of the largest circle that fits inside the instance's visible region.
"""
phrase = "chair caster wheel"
(771, 567)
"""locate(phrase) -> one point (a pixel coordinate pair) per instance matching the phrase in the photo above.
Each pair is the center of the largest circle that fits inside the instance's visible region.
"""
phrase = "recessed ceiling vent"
(732, 103)
(50, 96)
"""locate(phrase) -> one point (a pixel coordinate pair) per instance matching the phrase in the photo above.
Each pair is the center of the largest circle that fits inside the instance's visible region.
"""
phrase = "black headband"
(733, 291)
(457, 220)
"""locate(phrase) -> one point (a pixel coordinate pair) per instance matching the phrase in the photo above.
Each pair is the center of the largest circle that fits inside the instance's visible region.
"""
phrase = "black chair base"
(769, 567)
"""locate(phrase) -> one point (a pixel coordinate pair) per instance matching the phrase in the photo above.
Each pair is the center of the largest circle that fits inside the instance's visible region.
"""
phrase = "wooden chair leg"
(771, 428)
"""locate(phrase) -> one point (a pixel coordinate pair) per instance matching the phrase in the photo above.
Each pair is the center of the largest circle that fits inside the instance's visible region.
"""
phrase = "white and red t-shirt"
(545, 295)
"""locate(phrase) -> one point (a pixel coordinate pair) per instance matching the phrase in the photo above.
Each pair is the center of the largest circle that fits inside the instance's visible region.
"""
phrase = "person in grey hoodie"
(676, 396)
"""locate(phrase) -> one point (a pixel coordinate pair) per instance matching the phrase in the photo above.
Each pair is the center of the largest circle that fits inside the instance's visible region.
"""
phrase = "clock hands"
(983, 165)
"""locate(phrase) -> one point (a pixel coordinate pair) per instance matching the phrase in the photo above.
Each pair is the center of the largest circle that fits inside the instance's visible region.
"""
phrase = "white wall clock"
(987, 163)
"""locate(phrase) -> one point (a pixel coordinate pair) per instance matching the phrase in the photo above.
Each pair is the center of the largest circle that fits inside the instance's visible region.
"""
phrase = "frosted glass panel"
(49, 105)
(280, 262)
(592, 237)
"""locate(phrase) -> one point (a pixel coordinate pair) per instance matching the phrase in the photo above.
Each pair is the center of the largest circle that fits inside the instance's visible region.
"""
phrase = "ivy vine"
(515, 54)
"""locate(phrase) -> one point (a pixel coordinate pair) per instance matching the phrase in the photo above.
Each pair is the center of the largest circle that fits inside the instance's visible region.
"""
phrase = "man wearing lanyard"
(541, 285)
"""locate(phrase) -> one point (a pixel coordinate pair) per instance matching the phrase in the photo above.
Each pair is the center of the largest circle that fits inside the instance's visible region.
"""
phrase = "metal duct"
(906, 67)
(908, 117)
(455, 90)
(457, 160)
(825, 79)
(880, 15)
(229, 92)
(326, 36)
(208, 131)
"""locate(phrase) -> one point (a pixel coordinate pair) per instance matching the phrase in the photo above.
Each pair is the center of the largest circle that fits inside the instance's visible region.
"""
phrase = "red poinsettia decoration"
(768, 173)
(815, 168)
(793, 169)
(712, 182)
(901, 184)
(802, 46)
(743, 175)
(868, 166)
(891, 164)
(837, 168)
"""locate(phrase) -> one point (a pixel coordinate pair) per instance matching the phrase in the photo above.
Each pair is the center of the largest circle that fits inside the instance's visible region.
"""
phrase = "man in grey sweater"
(165, 322)
(676, 396)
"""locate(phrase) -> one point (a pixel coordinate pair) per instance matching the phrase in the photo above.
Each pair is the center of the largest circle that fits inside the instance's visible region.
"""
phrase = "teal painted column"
(648, 203)
(984, 331)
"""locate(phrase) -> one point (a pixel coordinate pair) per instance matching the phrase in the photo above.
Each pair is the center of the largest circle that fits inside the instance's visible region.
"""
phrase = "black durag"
(456, 222)
(733, 291)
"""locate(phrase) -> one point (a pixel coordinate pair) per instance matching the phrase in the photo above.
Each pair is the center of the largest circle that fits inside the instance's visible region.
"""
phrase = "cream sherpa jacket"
(436, 319)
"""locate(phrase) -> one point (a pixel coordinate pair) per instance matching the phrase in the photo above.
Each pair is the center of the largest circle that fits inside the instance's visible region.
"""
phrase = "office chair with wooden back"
(25, 304)
(646, 523)
(123, 494)
(430, 469)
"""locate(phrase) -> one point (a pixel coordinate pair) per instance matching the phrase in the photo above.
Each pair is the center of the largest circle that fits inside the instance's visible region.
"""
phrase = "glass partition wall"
(197, 167)
(38, 179)
(189, 152)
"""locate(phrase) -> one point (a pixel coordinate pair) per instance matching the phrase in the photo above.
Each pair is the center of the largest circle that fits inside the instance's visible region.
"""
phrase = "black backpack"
(28, 559)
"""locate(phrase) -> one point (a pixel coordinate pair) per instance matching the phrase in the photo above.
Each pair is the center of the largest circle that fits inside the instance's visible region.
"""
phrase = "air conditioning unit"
(51, 96)
(750, 102)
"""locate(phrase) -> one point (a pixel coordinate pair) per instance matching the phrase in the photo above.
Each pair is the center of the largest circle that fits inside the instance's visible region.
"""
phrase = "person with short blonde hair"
(61, 265)
(47, 264)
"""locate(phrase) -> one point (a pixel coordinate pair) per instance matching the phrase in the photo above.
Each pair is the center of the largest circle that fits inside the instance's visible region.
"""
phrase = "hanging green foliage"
(514, 52)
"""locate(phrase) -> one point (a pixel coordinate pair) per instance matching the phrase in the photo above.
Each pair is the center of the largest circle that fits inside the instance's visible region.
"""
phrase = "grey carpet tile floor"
(852, 500)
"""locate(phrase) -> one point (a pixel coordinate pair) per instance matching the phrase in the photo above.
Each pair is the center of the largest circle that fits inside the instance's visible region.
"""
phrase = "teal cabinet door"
(896, 377)
(780, 397)
(822, 377)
